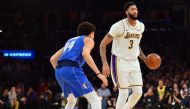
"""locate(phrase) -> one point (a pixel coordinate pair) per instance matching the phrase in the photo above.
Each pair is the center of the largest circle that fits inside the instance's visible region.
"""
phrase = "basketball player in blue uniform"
(68, 62)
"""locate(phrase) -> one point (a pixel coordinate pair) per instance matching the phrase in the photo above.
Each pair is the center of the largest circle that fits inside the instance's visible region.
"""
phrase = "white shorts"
(125, 73)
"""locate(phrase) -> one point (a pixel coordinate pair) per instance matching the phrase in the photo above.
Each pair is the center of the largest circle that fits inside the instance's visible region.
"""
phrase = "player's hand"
(103, 78)
(146, 63)
(145, 60)
(106, 70)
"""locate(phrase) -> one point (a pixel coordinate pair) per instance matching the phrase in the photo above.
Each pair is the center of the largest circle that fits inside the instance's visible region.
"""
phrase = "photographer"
(175, 99)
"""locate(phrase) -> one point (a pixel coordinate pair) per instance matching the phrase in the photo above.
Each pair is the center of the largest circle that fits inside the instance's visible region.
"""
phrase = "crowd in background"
(22, 86)
(169, 91)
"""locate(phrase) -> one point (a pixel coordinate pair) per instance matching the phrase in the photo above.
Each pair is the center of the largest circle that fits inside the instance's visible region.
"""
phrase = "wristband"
(98, 74)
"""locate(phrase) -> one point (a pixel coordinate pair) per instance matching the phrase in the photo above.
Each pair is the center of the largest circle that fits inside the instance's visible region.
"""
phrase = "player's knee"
(123, 93)
(71, 100)
(93, 98)
(138, 93)
(96, 103)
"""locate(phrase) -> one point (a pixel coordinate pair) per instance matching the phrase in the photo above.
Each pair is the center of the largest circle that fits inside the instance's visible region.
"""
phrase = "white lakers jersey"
(126, 39)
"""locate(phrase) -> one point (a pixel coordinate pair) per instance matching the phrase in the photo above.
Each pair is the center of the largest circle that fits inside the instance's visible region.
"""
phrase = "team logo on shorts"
(85, 86)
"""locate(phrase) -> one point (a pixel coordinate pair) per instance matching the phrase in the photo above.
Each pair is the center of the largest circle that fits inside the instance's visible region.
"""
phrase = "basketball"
(153, 61)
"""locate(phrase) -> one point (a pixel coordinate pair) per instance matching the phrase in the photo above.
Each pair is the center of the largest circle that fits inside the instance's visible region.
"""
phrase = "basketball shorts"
(125, 73)
(73, 80)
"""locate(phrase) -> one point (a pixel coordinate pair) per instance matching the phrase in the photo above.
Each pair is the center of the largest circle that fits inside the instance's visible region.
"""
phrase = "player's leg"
(93, 100)
(120, 78)
(134, 97)
(80, 86)
(135, 81)
(71, 102)
(66, 88)
(122, 98)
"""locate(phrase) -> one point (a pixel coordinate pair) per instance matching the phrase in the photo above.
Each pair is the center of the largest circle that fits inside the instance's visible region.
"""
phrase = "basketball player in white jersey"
(126, 35)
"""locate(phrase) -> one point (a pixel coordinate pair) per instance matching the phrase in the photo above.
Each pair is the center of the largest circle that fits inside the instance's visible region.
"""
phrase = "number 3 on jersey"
(69, 46)
(130, 44)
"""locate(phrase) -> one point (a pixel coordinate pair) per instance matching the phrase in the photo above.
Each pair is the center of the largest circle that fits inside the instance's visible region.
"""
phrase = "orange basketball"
(153, 61)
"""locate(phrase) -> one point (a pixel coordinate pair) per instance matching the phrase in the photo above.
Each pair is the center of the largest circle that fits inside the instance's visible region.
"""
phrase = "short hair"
(127, 5)
(85, 28)
(161, 80)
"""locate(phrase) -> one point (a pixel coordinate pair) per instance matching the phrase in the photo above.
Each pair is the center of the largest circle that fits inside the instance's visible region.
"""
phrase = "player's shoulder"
(120, 22)
(140, 23)
(73, 38)
(141, 26)
(119, 25)
(88, 40)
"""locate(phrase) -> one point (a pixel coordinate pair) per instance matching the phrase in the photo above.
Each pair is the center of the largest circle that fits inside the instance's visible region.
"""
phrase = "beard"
(132, 17)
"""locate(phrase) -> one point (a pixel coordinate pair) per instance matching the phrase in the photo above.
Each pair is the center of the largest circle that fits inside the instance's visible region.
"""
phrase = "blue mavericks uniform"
(71, 78)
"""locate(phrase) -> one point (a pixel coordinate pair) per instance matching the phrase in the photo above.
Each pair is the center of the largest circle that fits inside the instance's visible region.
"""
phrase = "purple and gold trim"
(114, 69)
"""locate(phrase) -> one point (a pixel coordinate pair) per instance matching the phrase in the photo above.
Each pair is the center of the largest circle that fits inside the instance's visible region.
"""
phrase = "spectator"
(162, 93)
(175, 99)
(184, 91)
(42, 87)
(45, 99)
(175, 86)
(31, 97)
(149, 98)
(20, 96)
(13, 98)
(113, 97)
(104, 93)
(185, 95)
(4, 99)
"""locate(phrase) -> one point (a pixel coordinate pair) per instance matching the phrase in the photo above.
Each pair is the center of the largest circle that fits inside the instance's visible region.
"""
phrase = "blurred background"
(33, 30)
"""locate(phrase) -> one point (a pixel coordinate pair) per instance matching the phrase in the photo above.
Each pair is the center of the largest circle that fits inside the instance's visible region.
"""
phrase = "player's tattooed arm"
(55, 57)
(142, 55)
(107, 40)
(105, 68)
